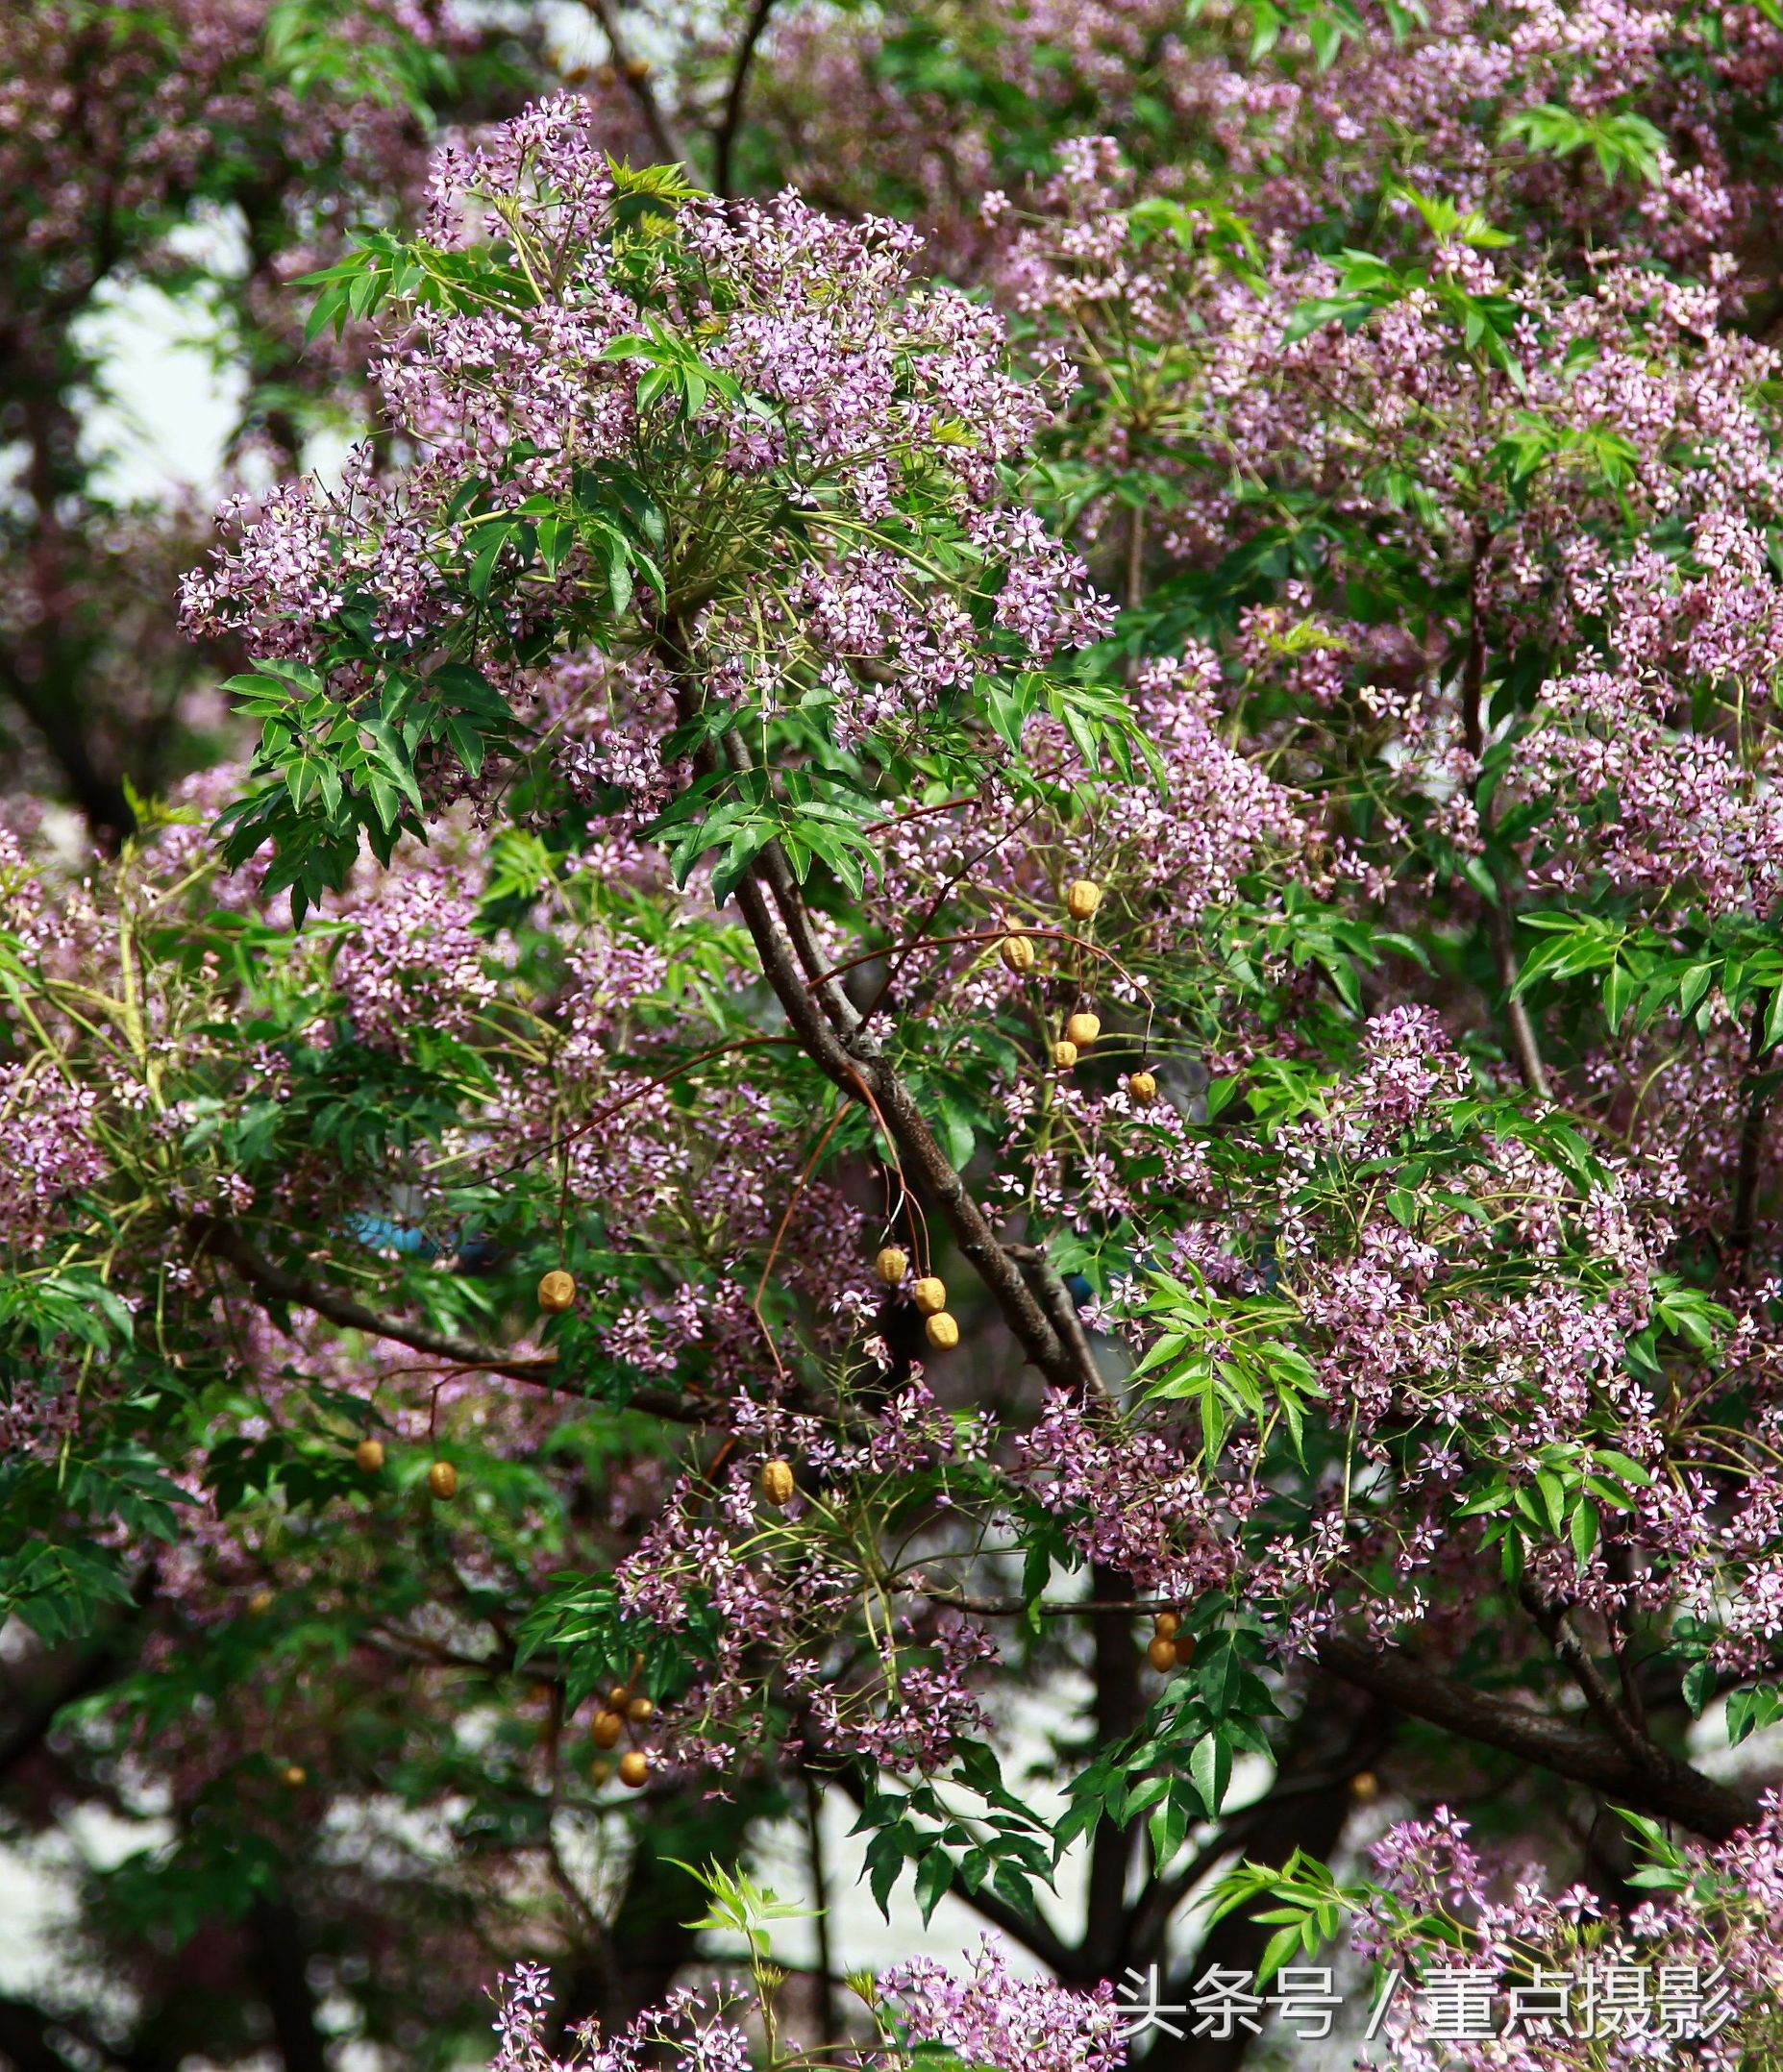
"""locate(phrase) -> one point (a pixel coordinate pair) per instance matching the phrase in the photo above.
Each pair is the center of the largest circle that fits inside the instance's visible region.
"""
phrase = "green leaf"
(934, 1874)
(1698, 1685)
(1210, 1770)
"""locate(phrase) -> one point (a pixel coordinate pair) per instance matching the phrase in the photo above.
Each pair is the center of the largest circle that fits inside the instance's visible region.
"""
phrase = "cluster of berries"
(1082, 898)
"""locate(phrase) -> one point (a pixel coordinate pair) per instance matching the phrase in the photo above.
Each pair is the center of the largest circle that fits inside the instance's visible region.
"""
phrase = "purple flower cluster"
(834, 381)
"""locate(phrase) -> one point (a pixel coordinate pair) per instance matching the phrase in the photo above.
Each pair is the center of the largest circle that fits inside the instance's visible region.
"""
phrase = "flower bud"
(1064, 1055)
(557, 1292)
(1017, 954)
(1082, 1029)
(369, 1454)
(941, 1331)
(931, 1295)
(776, 1483)
(1143, 1088)
(1082, 899)
(892, 1265)
(442, 1478)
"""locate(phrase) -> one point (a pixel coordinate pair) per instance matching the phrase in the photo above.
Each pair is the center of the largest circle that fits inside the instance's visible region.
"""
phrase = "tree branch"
(1043, 1277)
(1500, 913)
(1571, 1650)
(274, 1285)
(638, 77)
(1751, 1143)
(724, 144)
(851, 1064)
(1663, 1786)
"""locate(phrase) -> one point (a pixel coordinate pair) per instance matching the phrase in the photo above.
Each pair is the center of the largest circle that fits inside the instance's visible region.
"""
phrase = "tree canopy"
(933, 970)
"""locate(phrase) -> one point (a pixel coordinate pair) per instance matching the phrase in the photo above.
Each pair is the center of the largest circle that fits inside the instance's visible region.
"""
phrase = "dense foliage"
(969, 1005)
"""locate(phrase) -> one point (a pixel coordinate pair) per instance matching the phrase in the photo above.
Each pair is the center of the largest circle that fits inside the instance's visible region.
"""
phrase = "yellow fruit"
(1082, 899)
(1143, 1088)
(778, 1483)
(1064, 1055)
(606, 1729)
(1161, 1653)
(1082, 1029)
(1185, 1644)
(640, 1710)
(619, 1698)
(930, 1295)
(601, 1771)
(1018, 953)
(891, 1266)
(634, 1767)
(369, 1454)
(296, 1776)
(1165, 1625)
(442, 1478)
(637, 69)
(261, 1601)
(941, 1331)
(1365, 1788)
(557, 1292)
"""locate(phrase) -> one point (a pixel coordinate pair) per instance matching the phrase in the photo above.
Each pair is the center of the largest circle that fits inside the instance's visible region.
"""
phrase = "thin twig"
(1501, 915)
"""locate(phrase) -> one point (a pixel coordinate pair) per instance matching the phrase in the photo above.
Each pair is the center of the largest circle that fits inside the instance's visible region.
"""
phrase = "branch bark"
(1658, 1784)
(846, 1052)
(285, 1983)
(724, 144)
(1571, 1650)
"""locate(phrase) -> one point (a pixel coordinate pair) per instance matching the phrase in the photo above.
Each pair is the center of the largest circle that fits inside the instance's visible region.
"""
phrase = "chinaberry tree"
(973, 951)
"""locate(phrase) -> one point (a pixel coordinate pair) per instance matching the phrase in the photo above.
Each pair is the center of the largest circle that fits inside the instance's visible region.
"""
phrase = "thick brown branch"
(1043, 1277)
(851, 1064)
(1662, 1785)
(724, 144)
(1117, 1708)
